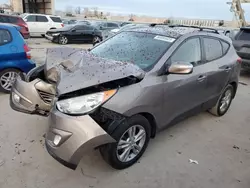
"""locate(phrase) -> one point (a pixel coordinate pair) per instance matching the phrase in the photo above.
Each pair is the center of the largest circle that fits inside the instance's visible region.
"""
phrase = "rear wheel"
(96, 40)
(223, 102)
(132, 140)
(7, 78)
(63, 40)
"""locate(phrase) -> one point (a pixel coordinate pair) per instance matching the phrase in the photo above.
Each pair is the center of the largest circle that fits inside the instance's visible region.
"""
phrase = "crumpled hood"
(73, 69)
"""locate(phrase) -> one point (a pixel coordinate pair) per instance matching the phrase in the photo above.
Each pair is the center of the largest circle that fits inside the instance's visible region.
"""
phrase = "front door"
(184, 94)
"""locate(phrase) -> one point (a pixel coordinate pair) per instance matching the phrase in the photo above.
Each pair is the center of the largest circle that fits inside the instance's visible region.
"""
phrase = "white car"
(39, 24)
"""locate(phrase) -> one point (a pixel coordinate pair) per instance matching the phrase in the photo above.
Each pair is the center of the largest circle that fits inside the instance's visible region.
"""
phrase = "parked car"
(68, 22)
(85, 22)
(15, 57)
(242, 46)
(39, 24)
(4, 18)
(74, 33)
(105, 25)
(118, 95)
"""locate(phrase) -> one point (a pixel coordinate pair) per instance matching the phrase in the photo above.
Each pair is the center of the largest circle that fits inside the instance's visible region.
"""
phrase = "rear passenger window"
(31, 18)
(4, 19)
(56, 19)
(244, 35)
(5, 36)
(41, 19)
(225, 47)
(190, 52)
(213, 49)
(13, 19)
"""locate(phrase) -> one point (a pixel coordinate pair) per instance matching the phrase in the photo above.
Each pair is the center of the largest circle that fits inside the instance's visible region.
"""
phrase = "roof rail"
(197, 27)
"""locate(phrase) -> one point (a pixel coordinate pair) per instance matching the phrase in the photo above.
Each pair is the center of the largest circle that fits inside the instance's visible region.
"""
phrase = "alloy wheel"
(63, 40)
(226, 100)
(7, 80)
(131, 143)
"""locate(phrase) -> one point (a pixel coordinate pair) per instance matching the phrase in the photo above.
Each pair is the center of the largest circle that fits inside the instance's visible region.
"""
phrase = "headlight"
(85, 103)
(55, 34)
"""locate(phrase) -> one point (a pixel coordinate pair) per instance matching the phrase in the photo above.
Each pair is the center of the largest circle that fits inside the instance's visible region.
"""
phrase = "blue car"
(15, 57)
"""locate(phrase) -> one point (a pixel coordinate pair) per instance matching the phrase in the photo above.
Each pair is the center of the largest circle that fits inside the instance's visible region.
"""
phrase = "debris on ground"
(179, 152)
(236, 147)
(32, 140)
(242, 83)
(193, 161)
(89, 176)
(2, 162)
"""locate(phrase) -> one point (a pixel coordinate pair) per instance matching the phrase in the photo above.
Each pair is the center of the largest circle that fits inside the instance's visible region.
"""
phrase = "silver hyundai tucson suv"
(119, 94)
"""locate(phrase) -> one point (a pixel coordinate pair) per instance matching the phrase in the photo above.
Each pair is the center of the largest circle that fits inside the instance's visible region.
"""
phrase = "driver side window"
(189, 51)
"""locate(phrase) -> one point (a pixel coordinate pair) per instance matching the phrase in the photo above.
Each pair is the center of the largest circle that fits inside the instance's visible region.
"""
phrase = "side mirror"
(73, 30)
(180, 68)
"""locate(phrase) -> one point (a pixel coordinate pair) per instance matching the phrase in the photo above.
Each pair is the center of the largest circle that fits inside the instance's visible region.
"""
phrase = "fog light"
(16, 98)
(57, 139)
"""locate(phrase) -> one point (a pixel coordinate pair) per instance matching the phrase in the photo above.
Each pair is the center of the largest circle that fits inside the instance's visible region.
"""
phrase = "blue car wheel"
(7, 78)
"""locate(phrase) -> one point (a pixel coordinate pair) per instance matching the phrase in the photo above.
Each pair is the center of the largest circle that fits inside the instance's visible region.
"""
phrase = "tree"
(131, 18)
(78, 10)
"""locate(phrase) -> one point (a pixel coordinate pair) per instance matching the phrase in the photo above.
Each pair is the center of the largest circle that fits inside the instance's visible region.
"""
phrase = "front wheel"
(7, 78)
(63, 40)
(96, 40)
(132, 140)
(223, 102)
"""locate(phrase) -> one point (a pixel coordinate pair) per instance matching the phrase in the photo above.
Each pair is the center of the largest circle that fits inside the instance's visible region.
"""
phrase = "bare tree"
(78, 10)
(131, 17)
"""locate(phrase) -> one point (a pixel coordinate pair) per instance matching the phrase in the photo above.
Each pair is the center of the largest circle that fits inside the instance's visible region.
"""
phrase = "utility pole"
(236, 8)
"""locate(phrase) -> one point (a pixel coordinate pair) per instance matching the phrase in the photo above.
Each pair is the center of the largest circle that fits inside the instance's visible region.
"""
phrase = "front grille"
(46, 97)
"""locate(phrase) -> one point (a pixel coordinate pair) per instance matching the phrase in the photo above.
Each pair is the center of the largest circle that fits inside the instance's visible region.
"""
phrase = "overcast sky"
(211, 9)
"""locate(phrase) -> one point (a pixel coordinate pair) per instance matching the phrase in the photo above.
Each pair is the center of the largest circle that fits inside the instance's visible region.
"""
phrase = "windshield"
(142, 49)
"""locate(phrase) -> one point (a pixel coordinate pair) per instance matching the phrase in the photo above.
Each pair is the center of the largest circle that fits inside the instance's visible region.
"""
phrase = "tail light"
(239, 60)
(27, 51)
(62, 25)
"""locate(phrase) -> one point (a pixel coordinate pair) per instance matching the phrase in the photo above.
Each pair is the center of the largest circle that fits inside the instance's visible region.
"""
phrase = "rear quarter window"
(225, 47)
(56, 19)
(243, 35)
(213, 49)
(5, 37)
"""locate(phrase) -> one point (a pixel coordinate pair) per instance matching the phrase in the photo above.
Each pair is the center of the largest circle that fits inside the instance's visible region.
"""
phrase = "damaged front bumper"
(69, 137)
(36, 97)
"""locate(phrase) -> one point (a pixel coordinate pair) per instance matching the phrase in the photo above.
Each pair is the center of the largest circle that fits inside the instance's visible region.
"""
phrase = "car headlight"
(85, 103)
(55, 34)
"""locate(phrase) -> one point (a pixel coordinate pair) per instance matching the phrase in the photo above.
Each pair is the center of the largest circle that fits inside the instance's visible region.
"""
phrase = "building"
(33, 6)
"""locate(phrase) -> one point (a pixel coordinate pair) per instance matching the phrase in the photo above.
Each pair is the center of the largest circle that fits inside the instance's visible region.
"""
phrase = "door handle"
(227, 69)
(201, 78)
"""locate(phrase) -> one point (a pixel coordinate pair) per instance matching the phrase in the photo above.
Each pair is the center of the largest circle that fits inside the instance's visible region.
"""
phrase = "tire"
(63, 40)
(217, 110)
(8, 74)
(96, 40)
(110, 152)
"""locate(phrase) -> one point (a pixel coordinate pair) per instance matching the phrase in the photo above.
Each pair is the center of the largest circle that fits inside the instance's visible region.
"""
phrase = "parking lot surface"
(221, 146)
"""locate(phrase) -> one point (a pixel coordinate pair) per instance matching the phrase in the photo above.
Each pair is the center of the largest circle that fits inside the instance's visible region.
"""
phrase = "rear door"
(218, 65)
(43, 24)
(242, 43)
